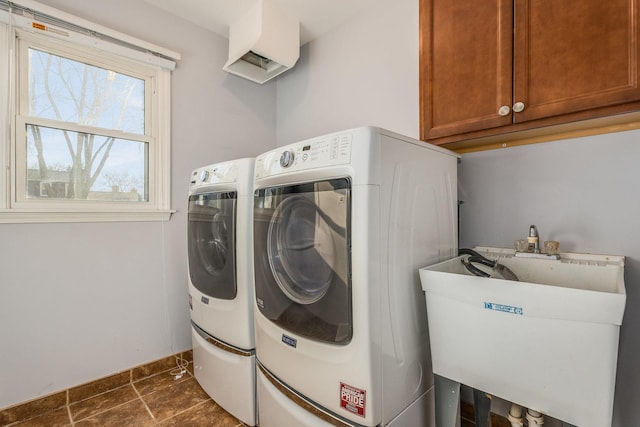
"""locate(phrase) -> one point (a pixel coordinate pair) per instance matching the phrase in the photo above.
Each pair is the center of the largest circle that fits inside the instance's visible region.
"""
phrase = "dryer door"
(211, 247)
(303, 262)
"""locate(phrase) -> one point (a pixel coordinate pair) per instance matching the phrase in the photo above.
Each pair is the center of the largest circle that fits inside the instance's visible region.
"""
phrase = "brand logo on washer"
(289, 341)
(204, 300)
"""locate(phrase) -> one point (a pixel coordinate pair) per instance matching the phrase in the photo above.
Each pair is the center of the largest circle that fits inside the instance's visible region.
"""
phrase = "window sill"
(24, 216)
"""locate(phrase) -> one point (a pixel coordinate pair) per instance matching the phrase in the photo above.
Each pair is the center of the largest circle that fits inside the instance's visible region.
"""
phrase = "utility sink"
(548, 342)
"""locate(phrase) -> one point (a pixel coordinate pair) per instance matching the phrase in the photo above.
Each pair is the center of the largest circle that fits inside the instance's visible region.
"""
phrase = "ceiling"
(316, 16)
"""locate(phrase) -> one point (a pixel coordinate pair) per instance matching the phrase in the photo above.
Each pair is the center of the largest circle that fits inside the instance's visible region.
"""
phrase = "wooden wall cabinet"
(493, 67)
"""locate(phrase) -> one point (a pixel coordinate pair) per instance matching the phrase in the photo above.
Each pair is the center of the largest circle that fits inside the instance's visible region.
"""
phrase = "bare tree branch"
(92, 95)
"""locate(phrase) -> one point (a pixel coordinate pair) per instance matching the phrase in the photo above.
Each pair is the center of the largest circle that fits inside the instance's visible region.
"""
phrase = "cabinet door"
(465, 65)
(574, 55)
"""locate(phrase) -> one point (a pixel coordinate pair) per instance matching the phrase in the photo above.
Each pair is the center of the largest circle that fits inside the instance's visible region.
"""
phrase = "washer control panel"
(330, 150)
(214, 174)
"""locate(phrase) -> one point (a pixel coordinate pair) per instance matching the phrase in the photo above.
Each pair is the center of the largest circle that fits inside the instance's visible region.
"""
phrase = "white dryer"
(221, 284)
(342, 223)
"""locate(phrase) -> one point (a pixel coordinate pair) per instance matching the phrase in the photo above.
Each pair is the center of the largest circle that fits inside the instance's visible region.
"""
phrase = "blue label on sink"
(504, 308)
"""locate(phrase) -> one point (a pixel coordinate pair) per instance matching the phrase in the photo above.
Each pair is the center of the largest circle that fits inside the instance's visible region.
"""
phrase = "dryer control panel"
(326, 151)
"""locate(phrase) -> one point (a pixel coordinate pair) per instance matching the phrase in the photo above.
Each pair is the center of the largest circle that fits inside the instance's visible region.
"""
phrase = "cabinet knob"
(504, 110)
(518, 107)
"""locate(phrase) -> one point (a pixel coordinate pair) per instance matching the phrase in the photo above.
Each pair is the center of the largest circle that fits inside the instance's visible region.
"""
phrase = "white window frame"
(5, 103)
(154, 69)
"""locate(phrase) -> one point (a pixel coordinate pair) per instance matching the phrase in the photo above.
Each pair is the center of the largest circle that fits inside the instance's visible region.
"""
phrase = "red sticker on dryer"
(352, 399)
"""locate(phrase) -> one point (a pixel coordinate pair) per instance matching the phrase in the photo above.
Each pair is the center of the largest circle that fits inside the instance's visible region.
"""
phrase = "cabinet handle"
(504, 110)
(518, 107)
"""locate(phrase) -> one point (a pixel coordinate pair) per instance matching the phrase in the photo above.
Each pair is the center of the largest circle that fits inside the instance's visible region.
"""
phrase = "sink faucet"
(534, 239)
(532, 248)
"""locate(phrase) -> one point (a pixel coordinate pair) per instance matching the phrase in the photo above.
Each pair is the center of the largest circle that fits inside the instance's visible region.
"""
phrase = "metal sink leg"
(482, 404)
(447, 396)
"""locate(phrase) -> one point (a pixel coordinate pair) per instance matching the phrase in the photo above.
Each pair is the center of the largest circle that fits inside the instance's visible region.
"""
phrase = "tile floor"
(150, 396)
(147, 395)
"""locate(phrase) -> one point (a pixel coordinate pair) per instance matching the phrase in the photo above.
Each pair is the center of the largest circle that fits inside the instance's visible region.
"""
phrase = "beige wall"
(363, 72)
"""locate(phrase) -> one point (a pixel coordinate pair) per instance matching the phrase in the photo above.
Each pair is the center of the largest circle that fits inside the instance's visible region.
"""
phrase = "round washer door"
(301, 250)
(303, 260)
(211, 246)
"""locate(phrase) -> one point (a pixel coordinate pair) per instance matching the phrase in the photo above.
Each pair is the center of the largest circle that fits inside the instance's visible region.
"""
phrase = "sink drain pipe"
(534, 418)
(515, 415)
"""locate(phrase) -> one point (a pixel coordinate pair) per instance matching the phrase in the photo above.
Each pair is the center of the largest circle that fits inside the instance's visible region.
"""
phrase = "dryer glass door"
(211, 247)
(302, 258)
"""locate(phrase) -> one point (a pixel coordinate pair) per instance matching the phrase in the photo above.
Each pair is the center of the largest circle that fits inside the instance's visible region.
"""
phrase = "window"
(89, 135)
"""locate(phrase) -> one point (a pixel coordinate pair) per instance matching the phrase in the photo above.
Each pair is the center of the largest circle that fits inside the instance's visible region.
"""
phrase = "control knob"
(204, 175)
(286, 158)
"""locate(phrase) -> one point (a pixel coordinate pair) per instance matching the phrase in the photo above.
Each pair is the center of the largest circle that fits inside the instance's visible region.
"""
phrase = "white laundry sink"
(548, 342)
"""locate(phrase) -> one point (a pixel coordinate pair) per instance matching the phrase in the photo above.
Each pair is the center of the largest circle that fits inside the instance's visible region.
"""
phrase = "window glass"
(63, 164)
(72, 91)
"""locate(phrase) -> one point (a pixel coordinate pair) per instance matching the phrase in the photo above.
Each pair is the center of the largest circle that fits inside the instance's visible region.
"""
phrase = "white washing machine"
(342, 223)
(221, 284)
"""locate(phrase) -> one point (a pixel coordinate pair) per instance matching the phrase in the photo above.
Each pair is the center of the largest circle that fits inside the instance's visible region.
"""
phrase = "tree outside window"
(74, 148)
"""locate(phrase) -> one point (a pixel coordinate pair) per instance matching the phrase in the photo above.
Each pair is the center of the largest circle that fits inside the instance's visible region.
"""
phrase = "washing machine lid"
(301, 243)
(211, 245)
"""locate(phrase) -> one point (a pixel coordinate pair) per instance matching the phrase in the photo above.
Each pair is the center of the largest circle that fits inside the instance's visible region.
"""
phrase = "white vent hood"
(263, 43)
